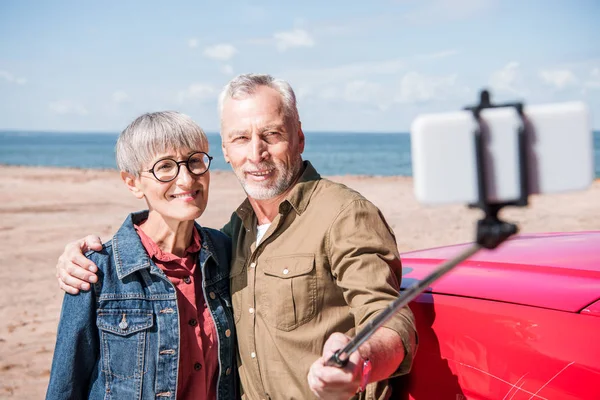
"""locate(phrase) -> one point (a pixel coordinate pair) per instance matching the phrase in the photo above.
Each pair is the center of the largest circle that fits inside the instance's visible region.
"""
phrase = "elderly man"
(313, 261)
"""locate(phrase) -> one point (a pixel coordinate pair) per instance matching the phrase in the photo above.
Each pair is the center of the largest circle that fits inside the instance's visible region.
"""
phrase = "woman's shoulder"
(102, 258)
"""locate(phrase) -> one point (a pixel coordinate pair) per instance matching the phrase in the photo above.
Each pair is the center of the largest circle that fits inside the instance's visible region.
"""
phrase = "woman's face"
(182, 199)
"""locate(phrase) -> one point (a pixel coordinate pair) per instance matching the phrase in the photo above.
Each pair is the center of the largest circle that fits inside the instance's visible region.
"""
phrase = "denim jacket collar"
(134, 257)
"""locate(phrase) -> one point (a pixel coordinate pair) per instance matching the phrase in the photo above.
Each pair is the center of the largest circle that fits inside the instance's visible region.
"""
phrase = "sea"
(339, 153)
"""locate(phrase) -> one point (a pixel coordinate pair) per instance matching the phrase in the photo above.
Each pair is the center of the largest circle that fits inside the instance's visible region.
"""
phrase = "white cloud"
(294, 38)
(356, 71)
(193, 43)
(67, 107)
(507, 79)
(120, 97)
(559, 78)
(221, 52)
(197, 91)
(418, 88)
(10, 78)
(227, 69)
(412, 88)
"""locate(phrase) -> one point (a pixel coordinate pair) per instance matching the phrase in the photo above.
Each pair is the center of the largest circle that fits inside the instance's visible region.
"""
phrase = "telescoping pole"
(340, 358)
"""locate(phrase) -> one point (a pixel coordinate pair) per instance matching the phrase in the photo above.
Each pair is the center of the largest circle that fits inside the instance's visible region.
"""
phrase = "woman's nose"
(184, 177)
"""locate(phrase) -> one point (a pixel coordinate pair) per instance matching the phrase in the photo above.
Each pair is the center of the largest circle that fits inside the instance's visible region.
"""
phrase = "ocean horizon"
(332, 153)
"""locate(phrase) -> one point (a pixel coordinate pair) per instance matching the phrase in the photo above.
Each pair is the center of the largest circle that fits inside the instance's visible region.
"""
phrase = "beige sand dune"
(41, 209)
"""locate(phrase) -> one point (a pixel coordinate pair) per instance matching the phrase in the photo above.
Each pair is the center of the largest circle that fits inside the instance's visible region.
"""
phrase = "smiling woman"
(125, 336)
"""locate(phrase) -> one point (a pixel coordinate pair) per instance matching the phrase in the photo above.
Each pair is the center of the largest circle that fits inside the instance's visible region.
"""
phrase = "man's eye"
(240, 139)
(271, 137)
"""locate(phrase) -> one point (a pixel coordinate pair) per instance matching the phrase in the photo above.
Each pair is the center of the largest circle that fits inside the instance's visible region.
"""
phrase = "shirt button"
(253, 355)
(193, 322)
(197, 366)
(228, 371)
(227, 333)
(187, 280)
(286, 271)
(251, 310)
(253, 265)
(212, 295)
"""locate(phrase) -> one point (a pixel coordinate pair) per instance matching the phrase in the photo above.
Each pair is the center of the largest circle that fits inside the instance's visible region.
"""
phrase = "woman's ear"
(132, 183)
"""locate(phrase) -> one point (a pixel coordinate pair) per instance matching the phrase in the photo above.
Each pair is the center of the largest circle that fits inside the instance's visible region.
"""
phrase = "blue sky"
(355, 65)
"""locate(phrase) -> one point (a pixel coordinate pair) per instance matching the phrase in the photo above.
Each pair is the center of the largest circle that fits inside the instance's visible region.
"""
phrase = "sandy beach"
(41, 209)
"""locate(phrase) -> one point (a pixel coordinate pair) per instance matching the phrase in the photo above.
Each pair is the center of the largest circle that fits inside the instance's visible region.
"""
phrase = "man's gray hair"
(154, 133)
(246, 85)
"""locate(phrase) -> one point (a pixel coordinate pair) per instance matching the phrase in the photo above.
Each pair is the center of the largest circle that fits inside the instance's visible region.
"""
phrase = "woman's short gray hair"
(246, 84)
(154, 133)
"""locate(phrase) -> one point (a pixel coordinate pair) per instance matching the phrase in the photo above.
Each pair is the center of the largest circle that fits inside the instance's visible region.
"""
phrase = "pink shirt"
(198, 355)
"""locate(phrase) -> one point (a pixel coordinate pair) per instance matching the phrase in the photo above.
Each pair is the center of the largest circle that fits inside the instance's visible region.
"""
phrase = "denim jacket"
(120, 340)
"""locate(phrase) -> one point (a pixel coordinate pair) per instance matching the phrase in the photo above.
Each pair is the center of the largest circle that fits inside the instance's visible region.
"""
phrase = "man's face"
(262, 147)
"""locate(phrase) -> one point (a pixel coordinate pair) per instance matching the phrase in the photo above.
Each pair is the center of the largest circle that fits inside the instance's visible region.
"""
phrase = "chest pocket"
(123, 334)
(289, 292)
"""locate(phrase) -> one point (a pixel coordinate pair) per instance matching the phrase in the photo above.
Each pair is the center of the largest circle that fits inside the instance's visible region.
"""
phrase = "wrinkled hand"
(73, 269)
(333, 382)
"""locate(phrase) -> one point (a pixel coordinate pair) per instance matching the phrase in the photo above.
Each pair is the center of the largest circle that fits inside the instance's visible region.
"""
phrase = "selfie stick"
(491, 231)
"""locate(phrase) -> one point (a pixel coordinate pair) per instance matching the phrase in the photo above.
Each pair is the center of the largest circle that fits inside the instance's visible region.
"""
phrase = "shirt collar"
(157, 254)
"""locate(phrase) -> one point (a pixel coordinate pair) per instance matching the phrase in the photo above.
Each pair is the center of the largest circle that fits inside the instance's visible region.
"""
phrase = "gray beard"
(282, 184)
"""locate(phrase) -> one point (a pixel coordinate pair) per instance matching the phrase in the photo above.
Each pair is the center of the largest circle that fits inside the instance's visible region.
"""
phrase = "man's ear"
(224, 149)
(300, 138)
(131, 182)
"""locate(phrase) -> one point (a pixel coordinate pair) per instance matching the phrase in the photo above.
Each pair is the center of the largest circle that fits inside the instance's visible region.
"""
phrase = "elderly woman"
(158, 323)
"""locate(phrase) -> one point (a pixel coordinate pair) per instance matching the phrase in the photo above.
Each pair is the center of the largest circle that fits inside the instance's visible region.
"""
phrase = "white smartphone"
(559, 148)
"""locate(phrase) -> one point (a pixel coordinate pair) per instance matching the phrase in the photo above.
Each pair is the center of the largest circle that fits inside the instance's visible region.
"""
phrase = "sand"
(41, 209)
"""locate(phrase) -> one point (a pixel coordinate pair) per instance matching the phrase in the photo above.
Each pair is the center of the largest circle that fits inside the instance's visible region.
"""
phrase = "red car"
(519, 322)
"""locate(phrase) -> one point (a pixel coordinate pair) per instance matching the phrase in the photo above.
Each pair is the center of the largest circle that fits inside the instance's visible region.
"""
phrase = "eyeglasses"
(167, 169)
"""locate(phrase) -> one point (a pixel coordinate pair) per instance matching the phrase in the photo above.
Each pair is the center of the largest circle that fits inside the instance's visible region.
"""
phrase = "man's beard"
(284, 178)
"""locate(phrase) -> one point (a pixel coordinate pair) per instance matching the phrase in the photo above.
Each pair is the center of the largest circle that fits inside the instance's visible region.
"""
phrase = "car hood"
(558, 271)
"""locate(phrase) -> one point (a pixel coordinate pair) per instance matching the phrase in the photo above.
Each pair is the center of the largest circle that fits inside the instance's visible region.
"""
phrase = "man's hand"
(73, 269)
(333, 382)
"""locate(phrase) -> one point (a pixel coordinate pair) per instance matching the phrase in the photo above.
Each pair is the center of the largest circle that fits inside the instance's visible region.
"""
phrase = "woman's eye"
(164, 166)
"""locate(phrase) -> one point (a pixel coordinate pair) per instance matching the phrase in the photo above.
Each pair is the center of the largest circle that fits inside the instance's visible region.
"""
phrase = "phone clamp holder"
(491, 231)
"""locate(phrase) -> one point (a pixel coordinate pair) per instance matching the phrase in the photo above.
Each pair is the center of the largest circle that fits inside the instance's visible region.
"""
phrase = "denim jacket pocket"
(289, 294)
(123, 344)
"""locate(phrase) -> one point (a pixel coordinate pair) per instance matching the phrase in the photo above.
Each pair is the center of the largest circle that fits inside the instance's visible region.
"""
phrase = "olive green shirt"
(328, 263)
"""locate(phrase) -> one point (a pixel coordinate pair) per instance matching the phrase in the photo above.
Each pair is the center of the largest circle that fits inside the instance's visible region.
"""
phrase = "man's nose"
(258, 150)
